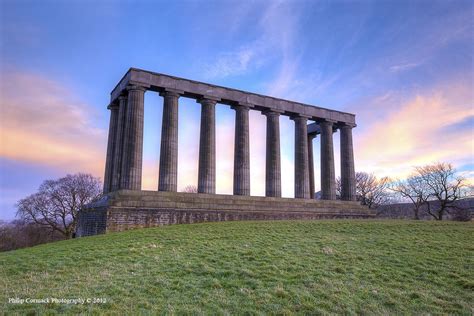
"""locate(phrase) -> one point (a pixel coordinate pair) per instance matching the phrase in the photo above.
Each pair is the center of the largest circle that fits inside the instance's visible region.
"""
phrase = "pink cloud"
(413, 134)
(44, 123)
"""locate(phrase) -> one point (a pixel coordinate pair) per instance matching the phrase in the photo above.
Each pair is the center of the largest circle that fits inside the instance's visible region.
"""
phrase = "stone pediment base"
(127, 209)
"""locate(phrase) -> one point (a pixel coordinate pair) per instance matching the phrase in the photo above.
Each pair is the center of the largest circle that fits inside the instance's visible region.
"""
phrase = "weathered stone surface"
(241, 151)
(328, 178)
(168, 174)
(301, 158)
(131, 176)
(109, 160)
(125, 209)
(91, 221)
(128, 207)
(118, 152)
(207, 147)
(273, 160)
(158, 82)
(348, 180)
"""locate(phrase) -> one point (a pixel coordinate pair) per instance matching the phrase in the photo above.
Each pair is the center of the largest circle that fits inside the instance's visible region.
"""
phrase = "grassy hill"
(280, 267)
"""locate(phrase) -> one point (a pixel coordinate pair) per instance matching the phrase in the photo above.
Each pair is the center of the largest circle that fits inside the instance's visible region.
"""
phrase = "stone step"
(132, 211)
(186, 208)
(160, 195)
(232, 205)
(165, 198)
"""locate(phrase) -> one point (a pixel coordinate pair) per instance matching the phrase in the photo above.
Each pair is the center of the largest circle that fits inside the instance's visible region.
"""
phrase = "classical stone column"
(131, 175)
(311, 165)
(328, 179)
(301, 157)
(118, 152)
(348, 180)
(241, 151)
(109, 160)
(168, 177)
(207, 147)
(273, 162)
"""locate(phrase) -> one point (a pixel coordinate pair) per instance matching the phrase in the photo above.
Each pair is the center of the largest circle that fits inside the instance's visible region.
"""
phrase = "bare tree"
(444, 186)
(370, 190)
(57, 202)
(190, 189)
(468, 191)
(415, 190)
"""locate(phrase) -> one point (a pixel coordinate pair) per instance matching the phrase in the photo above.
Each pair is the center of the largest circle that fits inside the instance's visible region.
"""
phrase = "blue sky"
(405, 68)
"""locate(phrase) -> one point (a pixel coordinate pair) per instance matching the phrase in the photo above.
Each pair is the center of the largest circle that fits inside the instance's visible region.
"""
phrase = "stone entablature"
(157, 82)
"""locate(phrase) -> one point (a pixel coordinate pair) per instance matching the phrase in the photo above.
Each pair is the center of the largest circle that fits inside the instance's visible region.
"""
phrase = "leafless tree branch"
(57, 202)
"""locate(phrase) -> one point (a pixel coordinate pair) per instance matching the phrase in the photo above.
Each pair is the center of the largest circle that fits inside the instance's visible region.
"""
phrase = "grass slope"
(285, 267)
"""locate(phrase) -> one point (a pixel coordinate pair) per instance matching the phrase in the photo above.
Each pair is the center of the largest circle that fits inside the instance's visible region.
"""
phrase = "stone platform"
(128, 209)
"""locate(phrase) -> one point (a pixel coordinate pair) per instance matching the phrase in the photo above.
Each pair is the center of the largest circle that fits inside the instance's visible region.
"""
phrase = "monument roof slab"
(195, 89)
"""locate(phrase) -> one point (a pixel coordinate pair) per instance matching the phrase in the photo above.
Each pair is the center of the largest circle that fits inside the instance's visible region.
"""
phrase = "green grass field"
(283, 267)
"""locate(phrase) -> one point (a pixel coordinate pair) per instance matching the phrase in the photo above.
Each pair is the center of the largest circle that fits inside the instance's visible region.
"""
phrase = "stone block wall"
(123, 210)
(91, 222)
(405, 210)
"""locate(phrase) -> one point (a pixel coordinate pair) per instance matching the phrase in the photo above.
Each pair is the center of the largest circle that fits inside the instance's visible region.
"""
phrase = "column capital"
(246, 104)
(326, 121)
(171, 93)
(346, 125)
(272, 112)
(134, 87)
(299, 117)
(312, 135)
(113, 106)
(241, 106)
(207, 99)
(330, 123)
(122, 97)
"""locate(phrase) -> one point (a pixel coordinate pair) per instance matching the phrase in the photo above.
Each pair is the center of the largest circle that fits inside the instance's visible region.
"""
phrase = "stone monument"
(125, 206)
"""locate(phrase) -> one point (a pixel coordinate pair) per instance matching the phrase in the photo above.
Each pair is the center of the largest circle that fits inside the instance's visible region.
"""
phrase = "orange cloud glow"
(416, 134)
(44, 123)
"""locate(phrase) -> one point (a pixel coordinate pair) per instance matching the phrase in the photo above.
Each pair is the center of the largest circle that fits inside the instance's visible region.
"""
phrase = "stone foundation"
(126, 209)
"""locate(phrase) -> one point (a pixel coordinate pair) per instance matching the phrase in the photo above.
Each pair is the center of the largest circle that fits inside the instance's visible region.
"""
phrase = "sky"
(405, 68)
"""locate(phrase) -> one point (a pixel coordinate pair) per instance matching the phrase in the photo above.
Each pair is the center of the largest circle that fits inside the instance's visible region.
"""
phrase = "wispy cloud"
(275, 33)
(277, 50)
(232, 63)
(418, 133)
(280, 31)
(468, 175)
(403, 67)
(44, 123)
(294, 78)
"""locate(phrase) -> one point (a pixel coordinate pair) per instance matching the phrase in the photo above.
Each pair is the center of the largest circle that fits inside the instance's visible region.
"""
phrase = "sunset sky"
(405, 68)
